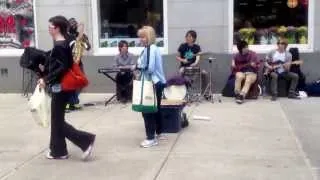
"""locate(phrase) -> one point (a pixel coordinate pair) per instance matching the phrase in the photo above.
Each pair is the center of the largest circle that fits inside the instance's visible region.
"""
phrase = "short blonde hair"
(284, 41)
(149, 32)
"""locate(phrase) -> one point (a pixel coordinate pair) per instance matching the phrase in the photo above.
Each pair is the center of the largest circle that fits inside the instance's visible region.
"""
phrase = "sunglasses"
(282, 43)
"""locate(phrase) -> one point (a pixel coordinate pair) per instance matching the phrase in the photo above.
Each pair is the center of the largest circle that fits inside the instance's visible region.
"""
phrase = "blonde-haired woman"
(152, 121)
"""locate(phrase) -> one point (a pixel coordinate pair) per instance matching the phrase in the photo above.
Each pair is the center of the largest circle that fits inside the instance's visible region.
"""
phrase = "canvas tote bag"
(144, 95)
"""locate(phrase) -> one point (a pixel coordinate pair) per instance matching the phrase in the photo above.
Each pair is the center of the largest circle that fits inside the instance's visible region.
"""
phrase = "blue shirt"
(155, 64)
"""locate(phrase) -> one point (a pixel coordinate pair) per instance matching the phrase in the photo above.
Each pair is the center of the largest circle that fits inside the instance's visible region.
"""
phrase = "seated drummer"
(189, 56)
(189, 52)
(244, 65)
(124, 61)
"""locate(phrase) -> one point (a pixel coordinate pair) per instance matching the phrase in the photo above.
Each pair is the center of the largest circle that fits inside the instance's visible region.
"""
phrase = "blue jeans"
(74, 97)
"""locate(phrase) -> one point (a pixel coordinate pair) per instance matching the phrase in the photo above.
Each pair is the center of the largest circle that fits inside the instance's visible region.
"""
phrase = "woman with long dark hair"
(60, 62)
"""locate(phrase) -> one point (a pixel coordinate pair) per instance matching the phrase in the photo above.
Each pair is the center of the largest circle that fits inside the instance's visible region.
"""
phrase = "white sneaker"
(49, 156)
(148, 143)
(162, 137)
(88, 152)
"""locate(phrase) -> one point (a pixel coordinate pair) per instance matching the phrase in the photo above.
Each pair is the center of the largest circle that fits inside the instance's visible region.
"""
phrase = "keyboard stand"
(113, 80)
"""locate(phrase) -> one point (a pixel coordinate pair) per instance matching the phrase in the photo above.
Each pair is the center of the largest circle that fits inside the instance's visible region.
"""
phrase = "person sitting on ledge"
(244, 66)
(278, 63)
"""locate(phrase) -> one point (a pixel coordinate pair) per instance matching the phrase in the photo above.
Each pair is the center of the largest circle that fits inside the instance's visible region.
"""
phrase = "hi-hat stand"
(209, 89)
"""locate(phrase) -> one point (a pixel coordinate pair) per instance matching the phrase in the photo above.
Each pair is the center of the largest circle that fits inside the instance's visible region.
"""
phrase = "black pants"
(302, 81)
(152, 121)
(61, 129)
(124, 86)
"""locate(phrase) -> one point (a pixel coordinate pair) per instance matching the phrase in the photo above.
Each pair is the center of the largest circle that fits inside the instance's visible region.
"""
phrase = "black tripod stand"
(209, 89)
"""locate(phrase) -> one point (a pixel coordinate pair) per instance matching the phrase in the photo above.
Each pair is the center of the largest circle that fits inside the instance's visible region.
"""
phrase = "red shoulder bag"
(74, 79)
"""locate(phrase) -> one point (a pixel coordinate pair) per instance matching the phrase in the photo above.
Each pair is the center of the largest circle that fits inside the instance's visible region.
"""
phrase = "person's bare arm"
(81, 31)
(178, 58)
(233, 63)
(298, 62)
(197, 60)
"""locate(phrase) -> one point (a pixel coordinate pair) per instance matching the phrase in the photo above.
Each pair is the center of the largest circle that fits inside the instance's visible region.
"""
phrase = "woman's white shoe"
(148, 143)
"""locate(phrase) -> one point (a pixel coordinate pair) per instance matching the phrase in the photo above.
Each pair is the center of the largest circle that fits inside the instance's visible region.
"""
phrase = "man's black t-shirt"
(189, 53)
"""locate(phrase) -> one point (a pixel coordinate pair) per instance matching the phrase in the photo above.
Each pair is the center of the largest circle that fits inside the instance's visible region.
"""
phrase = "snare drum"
(191, 71)
(193, 74)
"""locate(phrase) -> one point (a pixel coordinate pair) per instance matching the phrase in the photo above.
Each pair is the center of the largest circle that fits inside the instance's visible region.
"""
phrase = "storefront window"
(263, 22)
(121, 19)
(16, 24)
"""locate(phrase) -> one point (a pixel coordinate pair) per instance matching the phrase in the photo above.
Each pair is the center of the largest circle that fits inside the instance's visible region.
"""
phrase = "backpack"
(228, 90)
(313, 89)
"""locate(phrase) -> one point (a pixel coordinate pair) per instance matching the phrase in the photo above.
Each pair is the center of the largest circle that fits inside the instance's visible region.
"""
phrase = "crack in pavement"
(167, 156)
(298, 143)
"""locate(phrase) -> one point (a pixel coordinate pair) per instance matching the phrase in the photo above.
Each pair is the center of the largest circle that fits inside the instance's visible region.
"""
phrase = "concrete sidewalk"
(254, 141)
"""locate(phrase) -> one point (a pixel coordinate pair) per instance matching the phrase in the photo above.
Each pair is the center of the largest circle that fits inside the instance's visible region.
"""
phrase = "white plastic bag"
(40, 104)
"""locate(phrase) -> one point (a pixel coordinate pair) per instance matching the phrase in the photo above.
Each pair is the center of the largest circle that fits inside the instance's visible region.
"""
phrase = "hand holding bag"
(144, 95)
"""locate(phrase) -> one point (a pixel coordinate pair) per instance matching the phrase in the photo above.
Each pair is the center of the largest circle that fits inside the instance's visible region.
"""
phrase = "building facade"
(219, 24)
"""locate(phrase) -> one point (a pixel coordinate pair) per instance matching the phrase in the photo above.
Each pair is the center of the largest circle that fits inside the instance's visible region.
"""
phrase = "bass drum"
(175, 92)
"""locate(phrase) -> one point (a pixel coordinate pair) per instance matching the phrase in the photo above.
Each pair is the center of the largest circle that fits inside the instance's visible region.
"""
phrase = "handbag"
(74, 79)
(144, 95)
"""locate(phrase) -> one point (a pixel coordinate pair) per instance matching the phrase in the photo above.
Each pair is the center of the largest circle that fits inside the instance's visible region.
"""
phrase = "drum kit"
(192, 91)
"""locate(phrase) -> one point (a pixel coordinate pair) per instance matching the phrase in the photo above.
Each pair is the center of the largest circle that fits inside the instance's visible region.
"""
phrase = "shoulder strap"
(148, 58)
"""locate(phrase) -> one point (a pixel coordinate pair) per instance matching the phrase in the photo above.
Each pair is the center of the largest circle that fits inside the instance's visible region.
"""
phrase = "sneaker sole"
(151, 145)
(57, 158)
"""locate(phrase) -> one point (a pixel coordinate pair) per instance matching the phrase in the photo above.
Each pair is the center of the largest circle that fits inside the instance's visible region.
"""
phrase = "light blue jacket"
(155, 64)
